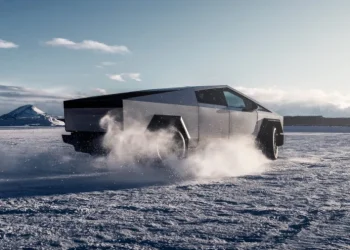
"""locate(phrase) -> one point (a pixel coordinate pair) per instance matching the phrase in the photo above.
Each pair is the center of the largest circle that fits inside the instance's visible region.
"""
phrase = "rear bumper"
(90, 143)
(67, 139)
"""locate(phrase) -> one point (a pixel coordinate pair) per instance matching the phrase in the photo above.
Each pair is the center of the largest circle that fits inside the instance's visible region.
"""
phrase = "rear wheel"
(270, 144)
(174, 149)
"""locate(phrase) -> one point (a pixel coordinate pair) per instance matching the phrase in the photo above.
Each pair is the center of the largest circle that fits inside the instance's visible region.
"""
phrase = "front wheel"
(270, 147)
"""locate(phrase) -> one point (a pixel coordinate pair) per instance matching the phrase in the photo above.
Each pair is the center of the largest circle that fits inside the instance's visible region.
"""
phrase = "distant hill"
(29, 115)
(315, 121)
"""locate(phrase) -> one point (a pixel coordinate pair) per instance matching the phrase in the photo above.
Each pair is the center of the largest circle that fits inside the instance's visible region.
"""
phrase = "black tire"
(270, 147)
(177, 149)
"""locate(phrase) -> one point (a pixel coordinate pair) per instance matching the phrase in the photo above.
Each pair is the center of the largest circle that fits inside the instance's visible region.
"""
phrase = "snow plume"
(133, 143)
(216, 159)
(225, 158)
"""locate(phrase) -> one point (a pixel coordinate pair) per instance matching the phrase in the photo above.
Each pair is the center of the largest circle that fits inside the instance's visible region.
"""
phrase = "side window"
(211, 96)
(234, 101)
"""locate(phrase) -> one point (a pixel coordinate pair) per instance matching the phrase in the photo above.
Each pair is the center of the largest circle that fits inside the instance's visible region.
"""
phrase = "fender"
(166, 121)
(266, 127)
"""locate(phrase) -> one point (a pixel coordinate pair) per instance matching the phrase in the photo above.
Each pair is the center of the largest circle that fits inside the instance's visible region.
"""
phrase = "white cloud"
(301, 102)
(7, 45)
(88, 45)
(125, 76)
(107, 63)
(48, 100)
(306, 97)
(135, 76)
(100, 91)
(19, 92)
(118, 78)
(283, 101)
(104, 64)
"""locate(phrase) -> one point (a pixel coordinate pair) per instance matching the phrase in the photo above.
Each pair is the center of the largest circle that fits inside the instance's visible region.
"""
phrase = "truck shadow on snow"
(72, 185)
(51, 174)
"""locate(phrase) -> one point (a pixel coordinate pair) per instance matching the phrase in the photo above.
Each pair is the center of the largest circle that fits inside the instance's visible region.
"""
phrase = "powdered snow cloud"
(88, 45)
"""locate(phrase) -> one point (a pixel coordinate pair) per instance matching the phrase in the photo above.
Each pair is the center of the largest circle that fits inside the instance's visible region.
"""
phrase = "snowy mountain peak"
(26, 111)
(29, 115)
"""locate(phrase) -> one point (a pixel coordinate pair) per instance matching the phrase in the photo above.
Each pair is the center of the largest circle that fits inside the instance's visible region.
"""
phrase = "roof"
(116, 99)
(202, 87)
(154, 91)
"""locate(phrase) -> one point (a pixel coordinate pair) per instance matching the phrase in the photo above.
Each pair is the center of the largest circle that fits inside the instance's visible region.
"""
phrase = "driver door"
(243, 116)
(213, 114)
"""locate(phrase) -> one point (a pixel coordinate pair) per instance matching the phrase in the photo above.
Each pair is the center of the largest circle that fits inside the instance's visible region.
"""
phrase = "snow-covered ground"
(54, 198)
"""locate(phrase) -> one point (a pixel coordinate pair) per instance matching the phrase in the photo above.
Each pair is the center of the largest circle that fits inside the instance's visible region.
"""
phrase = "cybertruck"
(195, 114)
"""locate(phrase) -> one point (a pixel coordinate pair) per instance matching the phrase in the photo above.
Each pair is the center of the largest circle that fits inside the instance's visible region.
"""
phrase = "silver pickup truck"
(197, 114)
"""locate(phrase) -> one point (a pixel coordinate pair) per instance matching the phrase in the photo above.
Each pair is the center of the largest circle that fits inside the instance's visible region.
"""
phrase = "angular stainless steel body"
(205, 111)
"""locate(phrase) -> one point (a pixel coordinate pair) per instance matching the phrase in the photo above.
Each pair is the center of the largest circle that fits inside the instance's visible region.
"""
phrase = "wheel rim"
(177, 149)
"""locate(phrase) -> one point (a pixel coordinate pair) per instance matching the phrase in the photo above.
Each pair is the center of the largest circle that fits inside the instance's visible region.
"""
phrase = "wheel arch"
(165, 121)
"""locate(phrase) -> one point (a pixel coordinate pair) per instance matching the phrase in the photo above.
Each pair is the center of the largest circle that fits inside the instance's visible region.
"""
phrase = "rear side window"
(211, 96)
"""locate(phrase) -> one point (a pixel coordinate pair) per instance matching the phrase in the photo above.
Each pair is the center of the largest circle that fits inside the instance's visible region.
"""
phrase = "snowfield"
(54, 198)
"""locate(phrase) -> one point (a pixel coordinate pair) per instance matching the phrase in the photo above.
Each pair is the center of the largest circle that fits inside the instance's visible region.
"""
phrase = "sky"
(292, 55)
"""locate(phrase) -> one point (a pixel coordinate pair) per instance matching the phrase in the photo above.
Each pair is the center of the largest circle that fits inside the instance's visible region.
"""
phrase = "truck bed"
(84, 114)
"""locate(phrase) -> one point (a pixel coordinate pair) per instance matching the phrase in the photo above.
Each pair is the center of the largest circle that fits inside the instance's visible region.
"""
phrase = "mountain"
(29, 115)
(316, 121)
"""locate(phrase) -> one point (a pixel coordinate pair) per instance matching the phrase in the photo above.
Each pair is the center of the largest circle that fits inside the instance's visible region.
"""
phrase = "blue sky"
(264, 47)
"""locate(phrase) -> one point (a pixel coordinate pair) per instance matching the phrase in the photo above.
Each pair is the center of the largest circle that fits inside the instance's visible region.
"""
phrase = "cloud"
(125, 76)
(48, 100)
(100, 91)
(88, 45)
(134, 76)
(118, 78)
(283, 101)
(12, 97)
(10, 91)
(7, 45)
(301, 102)
(105, 64)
